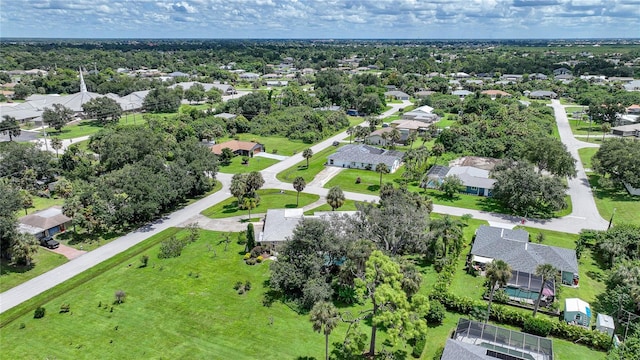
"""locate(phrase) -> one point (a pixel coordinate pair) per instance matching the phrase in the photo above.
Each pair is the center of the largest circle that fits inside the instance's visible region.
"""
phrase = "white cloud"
(315, 18)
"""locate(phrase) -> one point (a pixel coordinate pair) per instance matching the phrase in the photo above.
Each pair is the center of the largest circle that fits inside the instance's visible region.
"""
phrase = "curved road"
(584, 215)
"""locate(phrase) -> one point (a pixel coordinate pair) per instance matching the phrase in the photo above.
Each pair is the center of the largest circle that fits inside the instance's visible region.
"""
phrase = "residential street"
(584, 214)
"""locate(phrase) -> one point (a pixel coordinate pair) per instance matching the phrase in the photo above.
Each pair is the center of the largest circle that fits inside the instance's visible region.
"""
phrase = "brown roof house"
(242, 148)
(45, 223)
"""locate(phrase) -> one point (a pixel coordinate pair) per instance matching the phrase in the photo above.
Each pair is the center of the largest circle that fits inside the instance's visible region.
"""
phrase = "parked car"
(48, 242)
(336, 143)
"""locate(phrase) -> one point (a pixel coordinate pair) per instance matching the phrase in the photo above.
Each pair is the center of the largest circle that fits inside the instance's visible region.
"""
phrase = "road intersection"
(584, 214)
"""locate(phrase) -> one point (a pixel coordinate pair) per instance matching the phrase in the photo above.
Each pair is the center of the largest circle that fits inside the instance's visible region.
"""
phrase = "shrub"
(171, 248)
(247, 285)
(247, 256)
(64, 308)
(39, 312)
(537, 326)
(144, 260)
(251, 261)
(358, 180)
(238, 285)
(436, 313)
(418, 348)
(258, 250)
(501, 297)
(22, 326)
(259, 259)
(120, 297)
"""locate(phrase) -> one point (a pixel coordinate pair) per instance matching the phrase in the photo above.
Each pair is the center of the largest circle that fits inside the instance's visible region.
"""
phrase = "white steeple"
(83, 86)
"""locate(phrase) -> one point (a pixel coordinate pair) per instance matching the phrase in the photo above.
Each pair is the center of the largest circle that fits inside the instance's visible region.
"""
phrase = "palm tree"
(382, 168)
(498, 272)
(307, 154)
(335, 198)
(10, 126)
(545, 271)
(395, 137)
(299, 184)
(450, 230)
(325, 318)
(412, 138)
(250, 203)
(56, 144)
(606, 127)
(437, 151)
(350, 130)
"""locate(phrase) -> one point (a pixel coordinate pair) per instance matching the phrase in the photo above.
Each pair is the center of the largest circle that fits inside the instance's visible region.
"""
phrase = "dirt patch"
(67, 251)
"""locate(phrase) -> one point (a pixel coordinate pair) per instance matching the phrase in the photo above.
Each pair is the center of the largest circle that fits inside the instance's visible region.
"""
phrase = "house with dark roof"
(242, 148)
(396, 94)
(360, 156)
(44, 223)
(514, 248)
(474, 340)
(476, 181)
(541, 94)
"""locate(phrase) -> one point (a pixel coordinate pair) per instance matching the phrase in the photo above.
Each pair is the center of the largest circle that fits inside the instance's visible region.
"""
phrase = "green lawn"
(183, 307)
(90, 127)
(41, 203)
(316, 164)
(269, 199)
(43, 261)
(256, 163)
(585, 156)
(349, 205)
(618, 199)
(579, 127)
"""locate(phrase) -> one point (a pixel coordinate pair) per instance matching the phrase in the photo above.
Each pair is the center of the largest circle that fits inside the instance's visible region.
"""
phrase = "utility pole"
(611, 220)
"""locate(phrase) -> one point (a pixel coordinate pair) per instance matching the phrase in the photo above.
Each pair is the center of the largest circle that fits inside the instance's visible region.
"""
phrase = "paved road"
(584, 215)
(582, 201)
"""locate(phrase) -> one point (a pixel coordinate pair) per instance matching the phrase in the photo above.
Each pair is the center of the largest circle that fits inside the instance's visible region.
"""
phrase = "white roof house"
(577, 311)
(605, 324)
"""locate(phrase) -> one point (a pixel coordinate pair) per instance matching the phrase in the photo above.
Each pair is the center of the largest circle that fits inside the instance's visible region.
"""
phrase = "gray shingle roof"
(360, 153)
(512, 247)
(457, 350)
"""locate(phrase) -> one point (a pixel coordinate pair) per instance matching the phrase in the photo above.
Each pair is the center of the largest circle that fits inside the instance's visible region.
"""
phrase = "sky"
(321, 19)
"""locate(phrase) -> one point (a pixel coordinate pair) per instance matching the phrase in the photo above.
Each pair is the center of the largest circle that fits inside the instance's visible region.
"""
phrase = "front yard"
(269, 199)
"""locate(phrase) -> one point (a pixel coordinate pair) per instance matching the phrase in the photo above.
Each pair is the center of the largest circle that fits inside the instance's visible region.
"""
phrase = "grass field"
(618, 200)
(256, 163)
(43, 261)
(269, 199)
(90, 127)
(183, 307)
(316, 164)
(585, 156)
(579, 127)
(41, 203)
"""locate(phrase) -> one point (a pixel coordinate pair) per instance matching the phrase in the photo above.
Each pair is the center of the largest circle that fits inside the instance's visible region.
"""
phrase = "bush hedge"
(504, 315)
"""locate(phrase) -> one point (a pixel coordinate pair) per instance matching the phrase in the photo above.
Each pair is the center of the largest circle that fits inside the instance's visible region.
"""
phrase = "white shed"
(577, 311)
(605, 324)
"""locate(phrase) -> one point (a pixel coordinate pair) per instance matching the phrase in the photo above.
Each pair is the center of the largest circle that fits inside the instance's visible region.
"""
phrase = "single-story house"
(632, 86)
(423, 113)
(511, 77)
(514, 248)
(475, 180)
(224, 88)
(45, 223)
(277, 83)
(279, 224)
(633, 109)
(360, 156)
(542, 94)
(396, 94)
(461, 93)
(226, 116)
(626, 130)
(561, 71)
(475, 340)
(242, 148)
(249, 76)
(409, 125)
(423, 93)
(538, 76)
(577, 311)
(496, 93)
(381, 137)
(605, 324)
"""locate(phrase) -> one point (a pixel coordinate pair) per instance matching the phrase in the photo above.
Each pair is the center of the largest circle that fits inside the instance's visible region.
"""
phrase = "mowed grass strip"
(316, 164)
(255, 163)
(184, 307)
(269, 199)
(43, 261)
